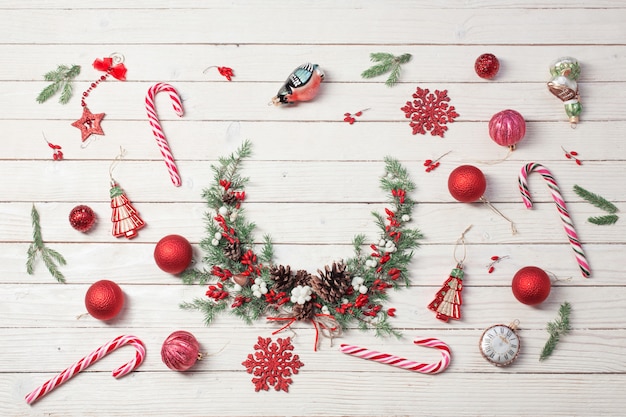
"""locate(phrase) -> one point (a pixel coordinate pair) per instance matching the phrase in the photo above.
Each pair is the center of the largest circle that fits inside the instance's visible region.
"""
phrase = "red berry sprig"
(494, 260)
(56, 149)
(350, 118)
(430, 164)
(225, 72)
(572, 155)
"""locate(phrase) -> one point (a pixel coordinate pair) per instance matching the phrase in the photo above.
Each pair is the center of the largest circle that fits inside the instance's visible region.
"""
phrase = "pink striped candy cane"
(560, 206)
(158, 131)
(424, 368)
(91, 358)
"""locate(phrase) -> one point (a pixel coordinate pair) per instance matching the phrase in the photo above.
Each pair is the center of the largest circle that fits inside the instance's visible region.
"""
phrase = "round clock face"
(500, 344)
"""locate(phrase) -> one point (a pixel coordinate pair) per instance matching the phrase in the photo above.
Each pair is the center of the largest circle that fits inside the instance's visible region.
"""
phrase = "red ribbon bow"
(106, 64)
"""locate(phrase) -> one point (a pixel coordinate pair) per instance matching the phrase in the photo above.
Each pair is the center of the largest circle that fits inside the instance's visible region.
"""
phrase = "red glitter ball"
(487, 66)
(82, 218)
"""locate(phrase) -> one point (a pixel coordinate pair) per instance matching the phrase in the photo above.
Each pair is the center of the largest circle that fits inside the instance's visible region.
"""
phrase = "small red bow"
(106, 64)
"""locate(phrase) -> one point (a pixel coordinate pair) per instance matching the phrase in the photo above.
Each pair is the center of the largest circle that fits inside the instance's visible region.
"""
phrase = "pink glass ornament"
(507, 128)
(180, 351)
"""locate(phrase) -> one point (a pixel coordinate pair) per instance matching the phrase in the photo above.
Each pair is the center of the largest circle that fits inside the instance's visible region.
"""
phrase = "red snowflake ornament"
(272, 364)
(429, 112)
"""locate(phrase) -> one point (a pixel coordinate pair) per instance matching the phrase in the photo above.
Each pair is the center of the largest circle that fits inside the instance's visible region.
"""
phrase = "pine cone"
(283, 279)
(229, 198)
(232, 250)
(302, 278)
(303, 311)
(331, 285)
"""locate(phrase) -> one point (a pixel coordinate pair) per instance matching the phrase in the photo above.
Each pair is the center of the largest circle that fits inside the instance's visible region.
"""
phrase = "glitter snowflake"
(429, 112)
(272, 364)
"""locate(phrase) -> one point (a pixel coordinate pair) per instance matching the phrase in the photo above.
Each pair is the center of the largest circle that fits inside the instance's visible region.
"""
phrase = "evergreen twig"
(49, 256)
(604, 220)
(556, 329)
(61, 80)
(388, 63)
(595, 199)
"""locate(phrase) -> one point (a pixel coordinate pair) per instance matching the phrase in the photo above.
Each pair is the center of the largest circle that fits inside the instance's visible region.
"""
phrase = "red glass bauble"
(104, 300)
(180, 351)
(467, 183)
(531, 285)
(487, 66)
(507, 127)
(82, 218)
(173, 254)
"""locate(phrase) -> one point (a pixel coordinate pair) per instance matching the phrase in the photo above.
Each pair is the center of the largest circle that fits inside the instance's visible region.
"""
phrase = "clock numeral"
(490, 336)
(501, 330)
(506, 357)
(510, 352)
(514, 346)
(509, 333)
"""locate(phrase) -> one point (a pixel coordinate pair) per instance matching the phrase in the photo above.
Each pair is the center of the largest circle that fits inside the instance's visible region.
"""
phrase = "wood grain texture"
(313, 186)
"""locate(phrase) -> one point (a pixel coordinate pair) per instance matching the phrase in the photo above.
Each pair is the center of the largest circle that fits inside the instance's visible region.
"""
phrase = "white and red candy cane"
(90, 359)
(397, 361)
(560, 206)
(158, 130)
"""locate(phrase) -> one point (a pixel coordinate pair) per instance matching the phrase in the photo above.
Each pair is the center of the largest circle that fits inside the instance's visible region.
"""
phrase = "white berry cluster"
(387, 246)
(259, 288)
(216, 239)
(372, 263)
(301, 294)
(357, 284)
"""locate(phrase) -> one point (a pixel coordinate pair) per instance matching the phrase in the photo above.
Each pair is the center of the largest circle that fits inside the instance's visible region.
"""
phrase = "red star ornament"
(89, 124)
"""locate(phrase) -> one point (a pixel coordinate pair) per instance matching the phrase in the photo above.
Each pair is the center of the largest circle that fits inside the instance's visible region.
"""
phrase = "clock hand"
(504, 339)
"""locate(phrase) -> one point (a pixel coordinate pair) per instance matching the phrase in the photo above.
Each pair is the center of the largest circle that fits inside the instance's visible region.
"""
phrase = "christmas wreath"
(248, 284)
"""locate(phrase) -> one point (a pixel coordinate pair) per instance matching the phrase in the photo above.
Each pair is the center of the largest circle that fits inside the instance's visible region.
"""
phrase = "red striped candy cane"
(91, 358)
(158, 131)
(397, 361)
(560, 206)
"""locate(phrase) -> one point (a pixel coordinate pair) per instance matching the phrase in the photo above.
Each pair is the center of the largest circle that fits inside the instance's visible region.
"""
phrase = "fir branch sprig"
(388, 63)
(556, 329)
(604, 220)
(49, 256)
(61, 80)
(596, 200)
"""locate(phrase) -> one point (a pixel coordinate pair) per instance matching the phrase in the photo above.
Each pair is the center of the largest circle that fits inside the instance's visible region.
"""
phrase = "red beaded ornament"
(89, 123)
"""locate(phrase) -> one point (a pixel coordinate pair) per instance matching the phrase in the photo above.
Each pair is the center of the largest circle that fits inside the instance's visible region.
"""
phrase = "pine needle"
(388, 63)
(51, 258)
(596, 200)
(556, 329)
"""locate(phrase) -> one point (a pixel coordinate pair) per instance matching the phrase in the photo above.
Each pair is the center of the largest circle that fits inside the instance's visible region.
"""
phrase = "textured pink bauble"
(104, 300)
(173, 254)
(507, 127)
(531, 285)
(180, 351)
(487, 66)
(467, 183)
(82, 218)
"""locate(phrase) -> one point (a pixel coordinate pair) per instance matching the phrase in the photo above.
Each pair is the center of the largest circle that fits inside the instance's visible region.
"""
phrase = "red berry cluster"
(351, 118)
(225, 72)
(494, 260)
(58, 154)
(572, 155)
(430, 164)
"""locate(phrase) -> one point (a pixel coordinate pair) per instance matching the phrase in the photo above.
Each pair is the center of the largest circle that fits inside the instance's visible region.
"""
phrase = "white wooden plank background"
(314, 182)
